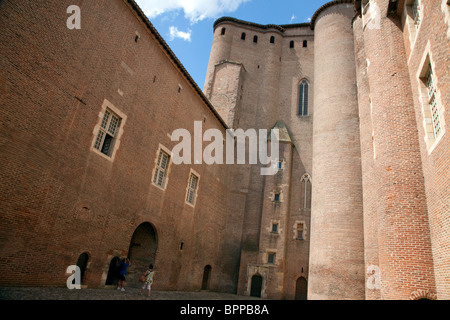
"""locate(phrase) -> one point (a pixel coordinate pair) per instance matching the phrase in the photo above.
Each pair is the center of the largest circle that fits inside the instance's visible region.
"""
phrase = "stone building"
(359, 207)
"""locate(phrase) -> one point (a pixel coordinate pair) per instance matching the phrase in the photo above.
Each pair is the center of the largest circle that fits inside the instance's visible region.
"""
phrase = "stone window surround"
(192, 172)
(427, 59)
(166, 178)
(117, 140)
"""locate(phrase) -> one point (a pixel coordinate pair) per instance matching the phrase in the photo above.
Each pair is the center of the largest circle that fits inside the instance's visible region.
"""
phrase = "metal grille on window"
(435, 117)
(192, 189)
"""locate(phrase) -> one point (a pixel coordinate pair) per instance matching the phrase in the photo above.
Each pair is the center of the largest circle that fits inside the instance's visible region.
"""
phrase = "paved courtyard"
(14, 293)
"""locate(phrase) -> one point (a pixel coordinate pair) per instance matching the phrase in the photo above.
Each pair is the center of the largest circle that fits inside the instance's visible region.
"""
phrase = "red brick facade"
(358, 210)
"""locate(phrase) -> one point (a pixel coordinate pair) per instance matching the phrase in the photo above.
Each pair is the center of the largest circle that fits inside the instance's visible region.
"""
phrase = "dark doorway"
(206, 277)
(113, 272)
(301, 289)
(256, 287)
(142, 252)
(82, 263)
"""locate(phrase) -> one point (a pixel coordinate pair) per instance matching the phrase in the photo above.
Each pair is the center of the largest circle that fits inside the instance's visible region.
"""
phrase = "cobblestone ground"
(13, 293)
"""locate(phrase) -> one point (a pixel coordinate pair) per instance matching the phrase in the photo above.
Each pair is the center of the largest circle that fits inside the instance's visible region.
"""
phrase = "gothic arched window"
(303, 98)
(306, 191)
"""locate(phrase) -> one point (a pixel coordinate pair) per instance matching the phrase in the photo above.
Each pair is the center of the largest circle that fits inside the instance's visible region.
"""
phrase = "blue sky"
(187, 25)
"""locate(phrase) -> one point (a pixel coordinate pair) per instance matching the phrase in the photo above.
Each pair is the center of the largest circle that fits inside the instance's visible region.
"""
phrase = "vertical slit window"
(243, 36)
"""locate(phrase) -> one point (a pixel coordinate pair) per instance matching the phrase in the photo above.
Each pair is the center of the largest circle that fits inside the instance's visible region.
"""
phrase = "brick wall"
(59, 197)
(432, 40)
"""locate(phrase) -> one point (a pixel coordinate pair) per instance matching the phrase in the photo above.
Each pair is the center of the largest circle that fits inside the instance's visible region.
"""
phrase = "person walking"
(124, 264)
(148, 280)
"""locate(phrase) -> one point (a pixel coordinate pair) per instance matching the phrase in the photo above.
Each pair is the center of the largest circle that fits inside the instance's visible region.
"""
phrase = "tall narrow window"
(159, 178)
(433, 102)
(305, 44)
(303, 98)
(192, 189)
(223, 31)
(272, 39)
(107, 133)
(271, 258)
(255, 39)
(306, 191)
(243, 36)
(291, 44)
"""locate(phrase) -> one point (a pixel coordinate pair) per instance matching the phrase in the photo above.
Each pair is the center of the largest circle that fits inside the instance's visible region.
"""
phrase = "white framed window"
(108, 131)
(416, 13)
(161, 169)
(433, 102)
(192, 188)
(433, 112)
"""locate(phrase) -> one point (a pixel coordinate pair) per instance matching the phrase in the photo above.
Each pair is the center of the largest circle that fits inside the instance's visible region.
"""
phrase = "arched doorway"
(142, 252)
(256, 286)
(82, 263)
(206, 277)
(301, 289)
(113, 272)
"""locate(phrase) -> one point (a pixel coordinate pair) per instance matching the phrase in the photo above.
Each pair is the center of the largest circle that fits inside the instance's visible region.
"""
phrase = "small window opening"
(223, 31)
(271, 258)
(305, 44)
(243, 36)
(272, 39)
(275, 227)
(255, 39)
(291, 44)
(300, 231)
(276, 197)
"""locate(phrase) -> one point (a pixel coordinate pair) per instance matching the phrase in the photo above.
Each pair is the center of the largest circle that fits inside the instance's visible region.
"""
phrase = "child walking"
(148, 280)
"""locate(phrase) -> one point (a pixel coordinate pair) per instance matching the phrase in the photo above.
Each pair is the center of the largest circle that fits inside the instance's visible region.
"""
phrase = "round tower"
(397, 180)
(337, 246)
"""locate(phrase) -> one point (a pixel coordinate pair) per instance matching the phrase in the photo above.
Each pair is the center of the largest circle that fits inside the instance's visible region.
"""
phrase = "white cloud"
(293, 18)
(175, 33)
(194, 10)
